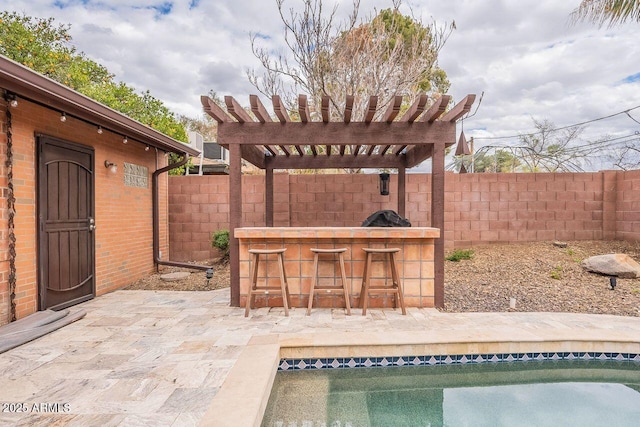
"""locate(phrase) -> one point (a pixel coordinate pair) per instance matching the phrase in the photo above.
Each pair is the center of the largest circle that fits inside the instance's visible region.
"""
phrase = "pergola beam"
(259, 110)
(318, 133)
(303, 109)
(280, 110)
(214, 110)
(236, 110)
(460, 109)
(337, 162)
(253, 155)
(370, 111)
(348, 108)
(393, 110)
(436, 110)
(325, 112)
(416, 109)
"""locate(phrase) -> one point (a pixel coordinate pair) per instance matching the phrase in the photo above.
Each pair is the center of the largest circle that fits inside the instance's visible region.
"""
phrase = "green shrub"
(459, 254)
(220, 240)
(556, 273)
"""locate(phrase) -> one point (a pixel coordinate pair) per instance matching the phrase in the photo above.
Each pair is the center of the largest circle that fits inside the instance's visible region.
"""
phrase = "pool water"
(576, 393)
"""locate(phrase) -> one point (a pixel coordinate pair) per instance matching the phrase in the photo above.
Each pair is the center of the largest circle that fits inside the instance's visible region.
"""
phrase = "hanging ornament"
(463, 147)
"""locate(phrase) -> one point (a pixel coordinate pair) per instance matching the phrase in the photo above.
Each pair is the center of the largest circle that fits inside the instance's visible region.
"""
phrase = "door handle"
(92, 224)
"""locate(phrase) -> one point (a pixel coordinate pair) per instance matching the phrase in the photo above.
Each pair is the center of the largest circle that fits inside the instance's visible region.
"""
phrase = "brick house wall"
(123, 234)
(479, 208)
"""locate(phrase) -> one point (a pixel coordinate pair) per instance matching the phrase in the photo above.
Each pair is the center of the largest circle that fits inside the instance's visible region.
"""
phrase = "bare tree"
(623, 152)
(389, 54)
(554, 150)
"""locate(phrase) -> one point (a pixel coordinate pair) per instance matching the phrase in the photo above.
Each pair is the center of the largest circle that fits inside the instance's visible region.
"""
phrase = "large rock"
(620, 265)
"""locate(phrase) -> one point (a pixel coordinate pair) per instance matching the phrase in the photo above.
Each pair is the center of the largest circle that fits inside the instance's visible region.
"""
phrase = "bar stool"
(283, 289)
(366, 278)
(344, 290)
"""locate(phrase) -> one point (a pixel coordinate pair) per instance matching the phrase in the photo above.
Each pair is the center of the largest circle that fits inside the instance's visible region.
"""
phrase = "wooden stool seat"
(283, 289)
(395, 288)
(267, 251)
(344, 289)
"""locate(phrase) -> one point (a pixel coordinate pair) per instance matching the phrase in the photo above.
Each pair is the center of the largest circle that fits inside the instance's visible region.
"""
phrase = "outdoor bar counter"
(415, 262)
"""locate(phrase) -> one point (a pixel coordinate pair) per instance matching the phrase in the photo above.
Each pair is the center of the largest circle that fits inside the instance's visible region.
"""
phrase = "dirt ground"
(540, 276)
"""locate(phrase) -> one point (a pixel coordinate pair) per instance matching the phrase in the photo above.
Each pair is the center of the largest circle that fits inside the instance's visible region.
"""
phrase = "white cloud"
(523, 54)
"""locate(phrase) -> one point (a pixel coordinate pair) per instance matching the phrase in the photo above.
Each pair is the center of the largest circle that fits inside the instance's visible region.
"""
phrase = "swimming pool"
(548, 392)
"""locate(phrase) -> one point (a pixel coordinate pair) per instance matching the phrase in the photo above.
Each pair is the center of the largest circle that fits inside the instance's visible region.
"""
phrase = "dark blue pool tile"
(372, 362)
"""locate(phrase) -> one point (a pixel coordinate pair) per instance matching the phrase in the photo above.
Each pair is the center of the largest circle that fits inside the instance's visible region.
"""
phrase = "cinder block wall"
(486, 208)
(626, 198)
(123, 213)
(479, 208)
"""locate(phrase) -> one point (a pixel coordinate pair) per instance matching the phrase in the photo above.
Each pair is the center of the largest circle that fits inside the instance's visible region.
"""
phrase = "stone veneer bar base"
(415, 261)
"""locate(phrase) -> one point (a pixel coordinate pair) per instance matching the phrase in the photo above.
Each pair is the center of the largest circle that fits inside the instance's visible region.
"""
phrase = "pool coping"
(243, 397)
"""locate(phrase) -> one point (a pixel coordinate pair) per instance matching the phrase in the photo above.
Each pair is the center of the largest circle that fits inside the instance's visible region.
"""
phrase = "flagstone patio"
(161, 357)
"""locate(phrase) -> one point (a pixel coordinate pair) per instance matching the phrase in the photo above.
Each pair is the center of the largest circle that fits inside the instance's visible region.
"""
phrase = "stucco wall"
(123, 213)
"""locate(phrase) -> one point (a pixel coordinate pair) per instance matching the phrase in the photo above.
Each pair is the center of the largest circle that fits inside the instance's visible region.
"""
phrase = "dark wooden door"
(65, 223)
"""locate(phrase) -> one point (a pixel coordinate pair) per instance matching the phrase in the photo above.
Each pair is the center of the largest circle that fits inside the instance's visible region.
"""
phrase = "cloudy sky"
(523, 54)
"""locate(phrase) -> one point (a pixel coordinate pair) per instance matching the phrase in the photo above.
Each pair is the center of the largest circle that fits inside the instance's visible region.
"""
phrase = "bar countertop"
(337, 232)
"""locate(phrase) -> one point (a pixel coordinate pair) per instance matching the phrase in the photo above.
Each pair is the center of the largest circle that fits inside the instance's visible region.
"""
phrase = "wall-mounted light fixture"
(100, 130)
(125, 140)
(146, 148)
(12, 99)
(113, 168)
(63, 117)
(384, 183)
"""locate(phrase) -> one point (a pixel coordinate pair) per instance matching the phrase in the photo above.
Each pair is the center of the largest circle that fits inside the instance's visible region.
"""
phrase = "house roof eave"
(32, 86)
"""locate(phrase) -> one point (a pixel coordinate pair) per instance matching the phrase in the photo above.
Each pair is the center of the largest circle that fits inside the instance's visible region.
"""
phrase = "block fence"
(479, 208)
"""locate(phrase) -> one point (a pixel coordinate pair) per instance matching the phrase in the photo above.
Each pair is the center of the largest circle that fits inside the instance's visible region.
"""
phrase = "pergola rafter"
(422, 132)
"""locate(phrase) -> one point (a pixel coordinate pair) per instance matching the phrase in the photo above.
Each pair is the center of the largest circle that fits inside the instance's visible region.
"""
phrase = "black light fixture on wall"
(384, 183)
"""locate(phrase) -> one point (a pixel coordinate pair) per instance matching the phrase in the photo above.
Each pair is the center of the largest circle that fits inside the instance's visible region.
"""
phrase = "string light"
(63, 117)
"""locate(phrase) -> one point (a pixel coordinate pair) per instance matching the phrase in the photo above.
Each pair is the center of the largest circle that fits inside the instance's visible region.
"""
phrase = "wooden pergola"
(422, 132)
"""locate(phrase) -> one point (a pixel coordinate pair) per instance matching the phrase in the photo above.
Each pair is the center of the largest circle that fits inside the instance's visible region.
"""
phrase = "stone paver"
(159, 357)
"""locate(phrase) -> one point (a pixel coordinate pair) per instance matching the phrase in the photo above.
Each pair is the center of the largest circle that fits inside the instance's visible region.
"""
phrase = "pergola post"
(437, 219)
(268, 196)
(235, 220)
(402, 192)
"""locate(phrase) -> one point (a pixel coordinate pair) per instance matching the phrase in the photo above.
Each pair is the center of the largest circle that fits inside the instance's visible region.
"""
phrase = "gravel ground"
(539, 275)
